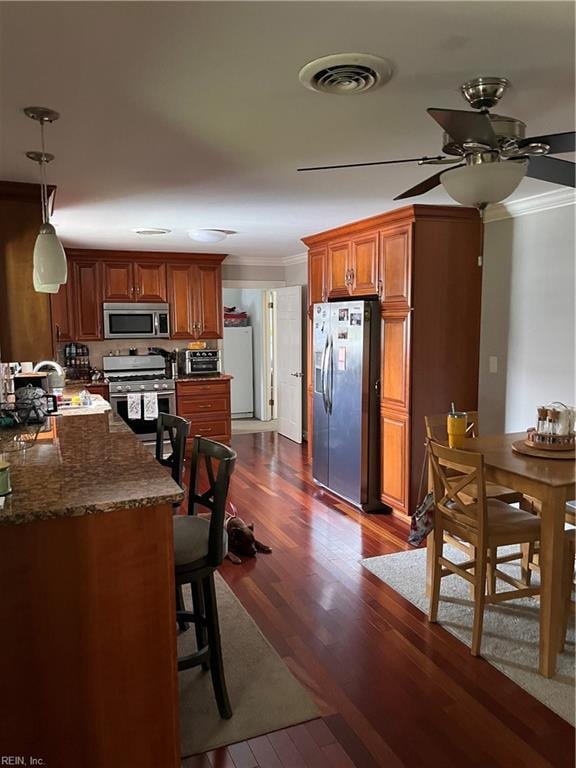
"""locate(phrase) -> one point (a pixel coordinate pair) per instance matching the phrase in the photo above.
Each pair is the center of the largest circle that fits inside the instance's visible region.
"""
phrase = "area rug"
(253, 426)
(264, 694)
(511, 630)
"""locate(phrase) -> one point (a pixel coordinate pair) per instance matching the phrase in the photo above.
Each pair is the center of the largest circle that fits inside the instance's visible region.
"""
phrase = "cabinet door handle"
(380, 288)
(57, 333)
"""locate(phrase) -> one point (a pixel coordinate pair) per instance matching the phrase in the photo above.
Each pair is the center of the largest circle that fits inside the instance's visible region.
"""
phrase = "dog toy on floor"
(241, 539)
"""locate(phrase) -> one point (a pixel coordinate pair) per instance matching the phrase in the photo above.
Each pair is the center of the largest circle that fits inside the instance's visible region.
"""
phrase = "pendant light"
(50, 267)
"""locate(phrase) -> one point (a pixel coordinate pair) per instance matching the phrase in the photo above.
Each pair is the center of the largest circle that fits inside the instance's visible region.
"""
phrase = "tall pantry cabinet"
(422, 263)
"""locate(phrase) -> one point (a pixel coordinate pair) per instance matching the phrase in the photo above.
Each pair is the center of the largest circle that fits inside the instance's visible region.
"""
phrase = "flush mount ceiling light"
(50, 270)
(345, 74)
(479, 184)
(209, 235)
(152, 231)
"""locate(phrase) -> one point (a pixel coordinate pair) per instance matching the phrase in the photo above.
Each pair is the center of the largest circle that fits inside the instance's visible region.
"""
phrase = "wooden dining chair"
(463, 510)
(200, 545)
(436, 430)
(172, 429)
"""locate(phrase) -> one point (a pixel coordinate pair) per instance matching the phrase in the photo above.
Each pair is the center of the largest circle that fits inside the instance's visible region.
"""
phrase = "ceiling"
(190, 115)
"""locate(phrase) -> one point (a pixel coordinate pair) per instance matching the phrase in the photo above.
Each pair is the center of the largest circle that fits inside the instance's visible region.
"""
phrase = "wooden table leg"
(551, 562)
(430, 550)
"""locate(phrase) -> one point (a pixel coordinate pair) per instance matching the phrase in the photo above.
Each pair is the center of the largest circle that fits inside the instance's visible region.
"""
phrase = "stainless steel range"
(139, 374)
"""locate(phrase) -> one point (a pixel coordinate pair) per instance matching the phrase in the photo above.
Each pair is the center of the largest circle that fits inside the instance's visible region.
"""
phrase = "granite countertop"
(88, 465)
(200, 377)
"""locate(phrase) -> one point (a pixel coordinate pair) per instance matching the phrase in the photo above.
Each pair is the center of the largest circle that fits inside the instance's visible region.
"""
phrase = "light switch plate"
(493, 364)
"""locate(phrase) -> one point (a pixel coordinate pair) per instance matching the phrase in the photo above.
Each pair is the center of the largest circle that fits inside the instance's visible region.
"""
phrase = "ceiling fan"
(489, 153)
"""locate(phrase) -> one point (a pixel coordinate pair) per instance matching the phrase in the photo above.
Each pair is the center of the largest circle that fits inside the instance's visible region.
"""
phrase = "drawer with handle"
(192, 406)
(195, 387)
(213, 428)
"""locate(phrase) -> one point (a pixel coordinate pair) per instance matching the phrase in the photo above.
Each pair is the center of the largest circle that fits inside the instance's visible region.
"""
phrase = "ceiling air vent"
(346, 73)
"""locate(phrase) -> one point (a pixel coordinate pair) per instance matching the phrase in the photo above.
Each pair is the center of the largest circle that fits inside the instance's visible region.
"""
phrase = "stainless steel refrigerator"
(346, 454)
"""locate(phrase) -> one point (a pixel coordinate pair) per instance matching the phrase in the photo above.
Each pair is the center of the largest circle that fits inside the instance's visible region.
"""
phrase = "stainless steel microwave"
(136, 321)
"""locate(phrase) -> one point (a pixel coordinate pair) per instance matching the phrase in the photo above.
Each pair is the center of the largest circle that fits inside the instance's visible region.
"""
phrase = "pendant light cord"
(43, 183)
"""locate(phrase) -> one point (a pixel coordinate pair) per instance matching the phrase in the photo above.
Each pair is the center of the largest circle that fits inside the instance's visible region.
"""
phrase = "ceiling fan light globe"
(476, 185)
(50, 266)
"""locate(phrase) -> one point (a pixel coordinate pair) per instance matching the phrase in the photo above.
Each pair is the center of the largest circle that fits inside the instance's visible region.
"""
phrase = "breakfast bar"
(88, 637)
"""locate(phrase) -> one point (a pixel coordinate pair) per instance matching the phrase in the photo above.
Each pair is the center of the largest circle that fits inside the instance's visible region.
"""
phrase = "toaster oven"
(193, 362)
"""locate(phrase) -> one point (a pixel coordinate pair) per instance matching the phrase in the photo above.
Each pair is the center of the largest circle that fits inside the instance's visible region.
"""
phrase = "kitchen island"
(88, 637)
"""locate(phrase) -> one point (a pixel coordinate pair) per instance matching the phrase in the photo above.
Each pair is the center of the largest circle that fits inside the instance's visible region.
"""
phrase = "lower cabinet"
(206, 405)
(394, 453)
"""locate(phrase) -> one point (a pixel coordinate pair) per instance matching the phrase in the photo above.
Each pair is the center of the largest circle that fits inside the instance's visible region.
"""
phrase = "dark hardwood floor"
(393, 690)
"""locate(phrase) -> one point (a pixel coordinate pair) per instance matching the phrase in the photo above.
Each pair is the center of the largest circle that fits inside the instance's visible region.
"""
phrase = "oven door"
(144, 429)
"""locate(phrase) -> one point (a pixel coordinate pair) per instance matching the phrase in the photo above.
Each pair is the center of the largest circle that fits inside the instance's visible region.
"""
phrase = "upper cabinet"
(363, 267)
(130, 280)
(150, 281)
(195, 298)
(346, 267)
(190, 283)
(395, 265)
(316, 276)
(85, 291)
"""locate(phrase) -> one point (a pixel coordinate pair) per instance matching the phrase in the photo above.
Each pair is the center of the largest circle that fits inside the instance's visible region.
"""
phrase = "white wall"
(527, 317)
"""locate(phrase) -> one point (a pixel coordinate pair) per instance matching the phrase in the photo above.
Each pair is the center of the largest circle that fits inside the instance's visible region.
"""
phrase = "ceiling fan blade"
(558, 142)
(377, 162)
(463, 126)
(424, 186)
(552, 169)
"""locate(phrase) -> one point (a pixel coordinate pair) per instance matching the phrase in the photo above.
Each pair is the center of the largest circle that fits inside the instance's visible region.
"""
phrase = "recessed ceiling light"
(151, 231)
(209, 235)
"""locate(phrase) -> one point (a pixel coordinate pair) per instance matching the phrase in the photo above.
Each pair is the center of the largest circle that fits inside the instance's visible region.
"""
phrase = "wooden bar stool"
(463, 510)
(176, 429)
(199, 547)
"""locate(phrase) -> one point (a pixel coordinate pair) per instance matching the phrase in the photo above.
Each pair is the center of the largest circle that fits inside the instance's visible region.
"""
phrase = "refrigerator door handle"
(323, 375)
(330, 369)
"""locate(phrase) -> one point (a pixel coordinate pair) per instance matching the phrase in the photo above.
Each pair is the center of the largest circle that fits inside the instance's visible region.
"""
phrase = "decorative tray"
(528, 448)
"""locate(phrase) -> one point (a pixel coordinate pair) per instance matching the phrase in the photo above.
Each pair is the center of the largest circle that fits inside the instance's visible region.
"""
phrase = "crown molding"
(559, 198)
(297, 258)
(251, 261)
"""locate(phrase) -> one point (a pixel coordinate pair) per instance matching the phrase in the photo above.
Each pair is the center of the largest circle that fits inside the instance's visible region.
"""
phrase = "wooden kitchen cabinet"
(86, 293)
(337, 270)
(205, 403)
(118, 281)
(25, 329)
(195, 298)
(180, 278)
(421, 262)
(190, 283)
(150, 281)
(316, 276)
(62, 312)
(126, 281)
(363, 265)
(208, 301)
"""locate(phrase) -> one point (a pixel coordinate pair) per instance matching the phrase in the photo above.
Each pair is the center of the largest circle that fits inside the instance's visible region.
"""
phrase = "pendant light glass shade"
(40, 287)
(478, 185)
(50, 266)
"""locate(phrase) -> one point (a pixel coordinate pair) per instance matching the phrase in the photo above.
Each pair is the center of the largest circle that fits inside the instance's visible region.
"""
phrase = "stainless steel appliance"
(193, 362)
(346, 401)
(140, 374)
(136, 321)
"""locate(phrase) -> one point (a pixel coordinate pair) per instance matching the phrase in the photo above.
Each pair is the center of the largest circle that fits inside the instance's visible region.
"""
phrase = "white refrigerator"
(237, 361)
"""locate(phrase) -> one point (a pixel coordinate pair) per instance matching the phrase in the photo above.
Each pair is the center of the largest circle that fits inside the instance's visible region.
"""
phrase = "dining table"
(553, 483)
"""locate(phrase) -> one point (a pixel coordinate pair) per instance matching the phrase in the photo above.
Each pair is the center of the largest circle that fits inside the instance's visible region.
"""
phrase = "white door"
(289, 361)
